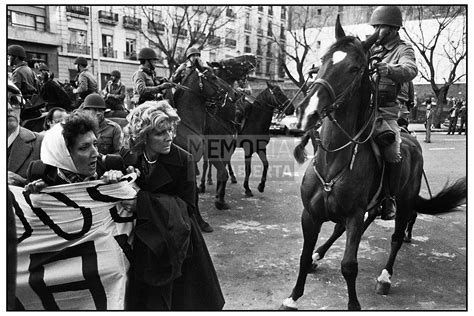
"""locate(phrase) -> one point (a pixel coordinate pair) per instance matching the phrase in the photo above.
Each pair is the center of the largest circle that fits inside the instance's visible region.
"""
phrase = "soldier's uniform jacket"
(145, 85)
(117, 90)
(183, 71)
(86, 83)
(25, 79)
(109, 137)
(400, 56)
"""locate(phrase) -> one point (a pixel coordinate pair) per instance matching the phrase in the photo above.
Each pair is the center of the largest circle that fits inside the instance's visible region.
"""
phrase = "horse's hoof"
(205, 227)
(382, 288)
(248, 193)
(233, 180)
(288, 305)
(220, 205)
(202, 188)
(354, 306)
(407, 239)
(261, 187)
(209, 182)
(312, 269)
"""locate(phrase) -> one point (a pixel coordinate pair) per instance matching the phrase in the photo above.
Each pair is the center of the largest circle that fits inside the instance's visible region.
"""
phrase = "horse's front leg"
(349, 264)
(209, 177)
(263, 157)
(233, 179)
(311, 231)
(248, 163)
(384, 280)
(222, 177)
(205, 165)
(319, 254)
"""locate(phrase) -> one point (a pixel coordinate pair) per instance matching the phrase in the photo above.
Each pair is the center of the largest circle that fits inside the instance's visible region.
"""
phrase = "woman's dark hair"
(78, 123)
(49, 116)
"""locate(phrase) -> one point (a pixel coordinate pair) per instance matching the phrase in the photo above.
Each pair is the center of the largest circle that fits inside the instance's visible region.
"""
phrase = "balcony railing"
(78, 49)
(247, 28)
(247, 49)
(182, 32)
(229, 42)
(260, 32)
(259, 52)
(130, 55)
(108, 17)
(78, 10)
(214, 40)
(109, 52)
(130, 22)
(152, 26)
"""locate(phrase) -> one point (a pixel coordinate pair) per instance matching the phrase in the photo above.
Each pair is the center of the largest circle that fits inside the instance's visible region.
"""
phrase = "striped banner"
(73, 246)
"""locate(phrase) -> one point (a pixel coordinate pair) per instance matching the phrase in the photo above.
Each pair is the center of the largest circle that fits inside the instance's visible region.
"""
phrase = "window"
(247, 40)
(77, 37)
(268, 68)
(318, 44)
(260, 8)
(270, 10)
(34, 60)
(319, 11)
(283, 12)
(197, 25)
(340, 8)
(130, 47)
(107, 46)
(31, 21)
(212, 56)
(129, 10)
(269, 29)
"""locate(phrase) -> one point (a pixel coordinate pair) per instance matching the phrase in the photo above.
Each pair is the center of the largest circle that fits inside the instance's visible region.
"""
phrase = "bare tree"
(167, 26)
(299, 46)
(443, 44)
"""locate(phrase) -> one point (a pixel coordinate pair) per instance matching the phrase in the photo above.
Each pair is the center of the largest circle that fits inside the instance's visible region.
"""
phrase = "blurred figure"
(453, 118)
(22, 76)
(52, 92)
(429, 119)
(55, 115)
(114, 95)
(86, 83)
(463, 116)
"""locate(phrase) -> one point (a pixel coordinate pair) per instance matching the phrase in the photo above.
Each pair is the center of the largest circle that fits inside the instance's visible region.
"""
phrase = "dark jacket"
(169, 186)
(24, 149)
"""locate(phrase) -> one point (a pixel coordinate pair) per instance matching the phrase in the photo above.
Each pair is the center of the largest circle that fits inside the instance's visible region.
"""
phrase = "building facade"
(110, 36)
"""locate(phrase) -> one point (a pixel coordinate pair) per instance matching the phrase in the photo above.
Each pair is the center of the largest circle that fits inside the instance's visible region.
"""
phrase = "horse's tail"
(299, 152)
(445, 201)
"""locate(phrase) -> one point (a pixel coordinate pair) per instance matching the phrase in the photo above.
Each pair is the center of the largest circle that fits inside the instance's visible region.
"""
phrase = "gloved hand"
(165, 85)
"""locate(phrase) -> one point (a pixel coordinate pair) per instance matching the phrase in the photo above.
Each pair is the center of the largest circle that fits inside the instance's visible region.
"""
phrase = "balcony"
(78, 49)
(156, 26)
(282, 37)
(260, 32)
(130, 55)
(108, 17)
(247, 50)
(259, 52)
(77, 11)
(132, 23)
(247, 28)
(229, 42)
(269, 33)
(109, 52)
(214, 40)
(182, 32)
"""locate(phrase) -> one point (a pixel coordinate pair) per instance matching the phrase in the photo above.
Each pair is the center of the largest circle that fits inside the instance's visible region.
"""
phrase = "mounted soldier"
(147, 85)
(22, 76)
(86, 83)
(396, 66)
(193, 61)
(52, 92)
(114, 94)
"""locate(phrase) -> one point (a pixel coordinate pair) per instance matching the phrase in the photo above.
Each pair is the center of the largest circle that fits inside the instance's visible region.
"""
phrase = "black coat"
(195, 286)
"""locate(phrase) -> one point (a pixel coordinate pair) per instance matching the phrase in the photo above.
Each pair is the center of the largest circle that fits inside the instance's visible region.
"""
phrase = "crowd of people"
(80, 136)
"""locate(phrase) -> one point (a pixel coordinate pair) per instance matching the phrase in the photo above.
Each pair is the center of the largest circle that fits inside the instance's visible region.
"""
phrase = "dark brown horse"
(341, 183)
(202, 91)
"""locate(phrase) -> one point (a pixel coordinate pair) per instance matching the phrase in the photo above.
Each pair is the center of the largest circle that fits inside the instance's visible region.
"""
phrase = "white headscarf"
(54, 151)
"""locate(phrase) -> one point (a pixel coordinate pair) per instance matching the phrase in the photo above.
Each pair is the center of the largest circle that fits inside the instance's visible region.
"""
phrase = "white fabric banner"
(74, 246)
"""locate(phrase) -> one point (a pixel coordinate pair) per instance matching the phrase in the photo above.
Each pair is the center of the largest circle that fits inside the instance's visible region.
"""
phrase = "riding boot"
(205, 227)
(389, 205)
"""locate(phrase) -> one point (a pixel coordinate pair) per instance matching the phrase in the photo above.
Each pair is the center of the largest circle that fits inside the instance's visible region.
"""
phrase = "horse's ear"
(367, 44)
(339, 31)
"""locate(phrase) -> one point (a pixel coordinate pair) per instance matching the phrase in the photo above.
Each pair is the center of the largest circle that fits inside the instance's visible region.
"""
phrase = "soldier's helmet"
(192, 51)
(16, 50)
(93, 101)
(81, 61)
(388, 15)
(116, 74)
(147, 53)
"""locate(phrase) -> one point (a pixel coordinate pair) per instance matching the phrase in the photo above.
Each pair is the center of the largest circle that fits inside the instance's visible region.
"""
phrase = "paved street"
(256, 245)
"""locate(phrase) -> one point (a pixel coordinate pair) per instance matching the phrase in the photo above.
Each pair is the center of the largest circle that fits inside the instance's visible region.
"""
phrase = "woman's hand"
(129, 205)
(35, 186)
(112, 176)
(131, 169)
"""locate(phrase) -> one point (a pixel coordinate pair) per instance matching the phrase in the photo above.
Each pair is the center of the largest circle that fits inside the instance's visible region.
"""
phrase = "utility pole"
(92, 39)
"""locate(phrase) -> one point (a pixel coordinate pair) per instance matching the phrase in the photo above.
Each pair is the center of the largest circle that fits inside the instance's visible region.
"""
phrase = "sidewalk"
(420, 127)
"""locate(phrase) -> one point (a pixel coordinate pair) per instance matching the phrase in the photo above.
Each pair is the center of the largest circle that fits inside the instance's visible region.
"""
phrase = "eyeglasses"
(16, 101)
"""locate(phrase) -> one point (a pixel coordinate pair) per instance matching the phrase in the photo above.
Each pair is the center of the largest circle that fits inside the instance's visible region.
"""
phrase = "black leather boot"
(389, 205)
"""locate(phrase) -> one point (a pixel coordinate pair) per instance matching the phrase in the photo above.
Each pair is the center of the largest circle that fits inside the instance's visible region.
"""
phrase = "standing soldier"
(147, 85)
(22, 76)
(397, 67)
(86, 83)
(109, 138)
(114, 92)
(52, 92)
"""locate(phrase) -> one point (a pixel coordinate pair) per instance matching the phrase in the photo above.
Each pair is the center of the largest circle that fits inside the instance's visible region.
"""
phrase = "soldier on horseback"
(193, 61)
(22, 76)
(396, 66)
(147, 85)
(86, 83)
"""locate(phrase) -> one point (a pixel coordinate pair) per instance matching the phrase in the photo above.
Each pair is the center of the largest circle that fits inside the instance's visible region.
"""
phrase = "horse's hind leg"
(209, 177)
(409, 230)
(222, 177)
(319, 254)
(311, 231)
(401, 220)
(248, 170)
(349, 265)
(205, 166)
(263, 157)
(233, 179)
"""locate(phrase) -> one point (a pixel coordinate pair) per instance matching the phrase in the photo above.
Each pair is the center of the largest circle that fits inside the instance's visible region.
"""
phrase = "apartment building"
(110, 36)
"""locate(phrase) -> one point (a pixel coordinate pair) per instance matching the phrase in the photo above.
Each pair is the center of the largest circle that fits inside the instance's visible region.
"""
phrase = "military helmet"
(43, 67)
(191, 51)
(16, 50)
(80, 61)
(147, 53)
(388, 15)
(93, 100)
(116, 74)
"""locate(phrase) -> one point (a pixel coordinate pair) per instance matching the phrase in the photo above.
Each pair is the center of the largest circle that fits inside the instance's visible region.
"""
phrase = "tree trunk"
(441, 105)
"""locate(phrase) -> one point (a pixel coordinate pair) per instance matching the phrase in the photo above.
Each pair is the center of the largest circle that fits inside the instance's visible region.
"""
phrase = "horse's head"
(206, 84)
(233, 69)
(274, 97)
(341, 72)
